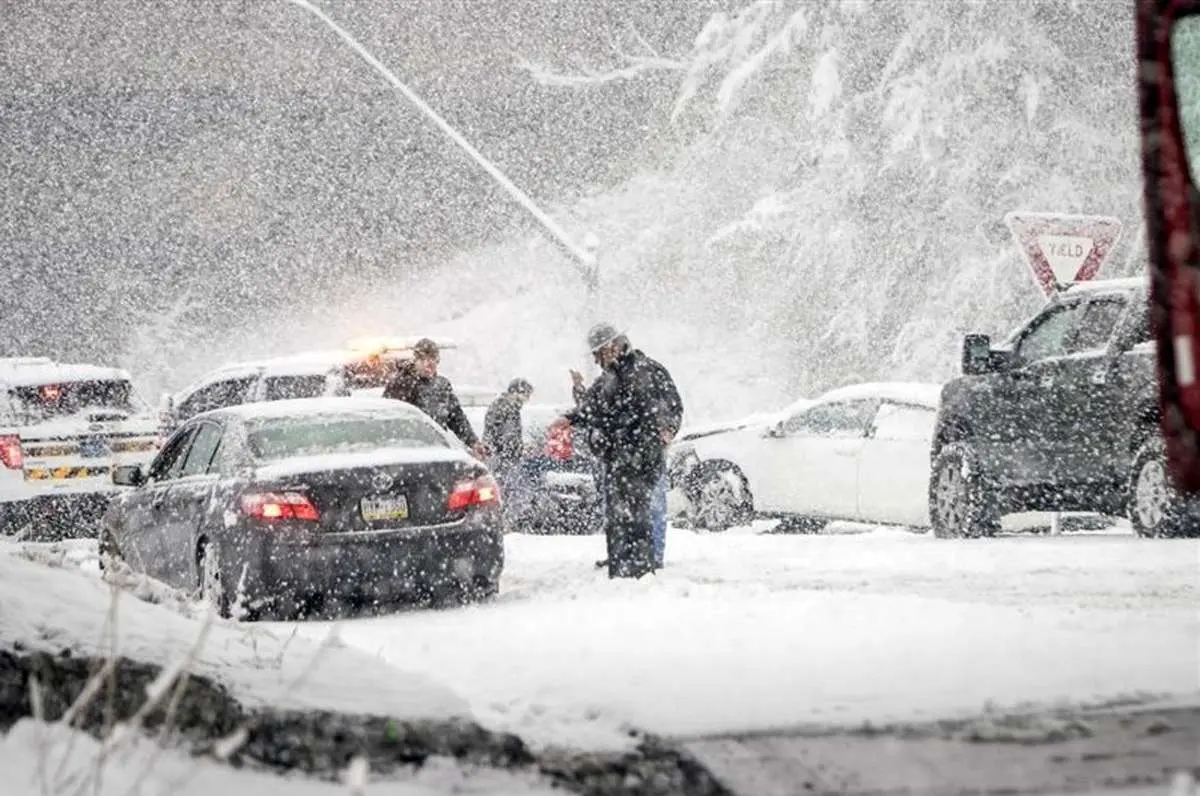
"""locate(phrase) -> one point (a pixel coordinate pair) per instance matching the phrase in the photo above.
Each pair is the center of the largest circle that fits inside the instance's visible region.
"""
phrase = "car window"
(837, 419)
(313, 435)
(204, 446)
(218, 395)
(1100, 319)
(1051, 333)
(1141, 333)
(64, 399)
(170, 459)
(904, 422)
(282, 388)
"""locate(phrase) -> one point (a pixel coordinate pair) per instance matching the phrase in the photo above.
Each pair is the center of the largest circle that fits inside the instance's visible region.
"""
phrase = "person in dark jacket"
(420, 385)
(630, 413)
(403, 385)
(504, 437)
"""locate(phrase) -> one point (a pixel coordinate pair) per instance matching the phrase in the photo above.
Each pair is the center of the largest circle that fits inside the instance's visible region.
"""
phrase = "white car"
(858, 453)
(63, 430)
(363, 367)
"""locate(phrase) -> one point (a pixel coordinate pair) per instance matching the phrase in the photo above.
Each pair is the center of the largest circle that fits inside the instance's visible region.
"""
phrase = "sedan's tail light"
(11, 454)
(477, 492)
(279, 506)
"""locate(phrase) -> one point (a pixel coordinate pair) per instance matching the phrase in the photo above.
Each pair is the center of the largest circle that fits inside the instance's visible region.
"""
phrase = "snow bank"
(51, 609)
(33, 752)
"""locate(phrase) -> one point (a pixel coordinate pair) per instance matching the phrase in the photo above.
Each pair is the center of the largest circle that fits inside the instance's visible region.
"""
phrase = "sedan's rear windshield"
(284, 437)
(64, 399)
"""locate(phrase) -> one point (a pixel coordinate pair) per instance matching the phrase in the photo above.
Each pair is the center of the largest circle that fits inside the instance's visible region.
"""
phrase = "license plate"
(384, 508)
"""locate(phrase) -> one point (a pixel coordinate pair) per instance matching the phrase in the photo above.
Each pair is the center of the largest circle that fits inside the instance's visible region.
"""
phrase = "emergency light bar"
(385, 345)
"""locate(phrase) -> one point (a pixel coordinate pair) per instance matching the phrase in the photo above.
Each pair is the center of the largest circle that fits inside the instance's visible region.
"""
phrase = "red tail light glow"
(11, 454)
(558, 444)
(477, 492)
(279, 506)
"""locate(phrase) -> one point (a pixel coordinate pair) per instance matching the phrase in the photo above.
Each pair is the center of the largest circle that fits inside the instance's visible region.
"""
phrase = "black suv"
(1061, 417)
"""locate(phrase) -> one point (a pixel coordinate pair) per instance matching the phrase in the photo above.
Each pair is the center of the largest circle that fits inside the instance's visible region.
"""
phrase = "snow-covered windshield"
(65, 399)
(272, 439)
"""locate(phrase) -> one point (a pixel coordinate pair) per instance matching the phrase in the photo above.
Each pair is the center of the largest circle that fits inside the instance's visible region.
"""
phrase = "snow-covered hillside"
(831, 210)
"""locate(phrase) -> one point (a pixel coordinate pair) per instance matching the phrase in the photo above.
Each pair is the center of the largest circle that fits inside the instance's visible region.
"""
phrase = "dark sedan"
(279, 508)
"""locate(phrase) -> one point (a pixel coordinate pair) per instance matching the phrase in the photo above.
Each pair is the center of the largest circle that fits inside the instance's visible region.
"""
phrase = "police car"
(63, 429)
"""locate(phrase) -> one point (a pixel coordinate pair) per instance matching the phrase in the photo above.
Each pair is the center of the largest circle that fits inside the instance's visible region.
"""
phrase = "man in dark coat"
(420, 385)
(630, 413)
(503, 435)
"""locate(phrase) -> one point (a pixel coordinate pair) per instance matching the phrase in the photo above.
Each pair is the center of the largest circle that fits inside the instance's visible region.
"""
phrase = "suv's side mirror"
(976, 355)
(128, 475)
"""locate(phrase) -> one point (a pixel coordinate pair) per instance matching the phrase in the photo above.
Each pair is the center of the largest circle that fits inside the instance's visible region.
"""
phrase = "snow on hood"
(54, 609)
(385, 457)
(708, 429)
(919, 393)
(48, 372)
(757, 420)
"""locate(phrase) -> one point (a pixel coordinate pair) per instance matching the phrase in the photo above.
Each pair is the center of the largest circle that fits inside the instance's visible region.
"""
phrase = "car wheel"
(212, 587)
(1156, 509)
(961, 502)
(721, 499)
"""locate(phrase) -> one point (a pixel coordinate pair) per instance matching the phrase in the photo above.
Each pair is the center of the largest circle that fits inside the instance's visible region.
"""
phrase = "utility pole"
(583, 257)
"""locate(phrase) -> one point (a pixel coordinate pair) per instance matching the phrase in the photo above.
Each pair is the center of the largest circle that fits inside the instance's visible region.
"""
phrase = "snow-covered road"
(749, 631)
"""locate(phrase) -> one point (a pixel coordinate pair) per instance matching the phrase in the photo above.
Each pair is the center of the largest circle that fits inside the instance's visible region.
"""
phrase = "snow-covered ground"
(743, 630)
(747, 630)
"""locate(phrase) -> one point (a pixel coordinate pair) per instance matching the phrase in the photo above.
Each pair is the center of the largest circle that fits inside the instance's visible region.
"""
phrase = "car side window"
(170, 459)
(1141, 332)
(904, 422)
(217, 395)
(280, 388)
(205, 443)
(1050, 334)
(1100, 319)
(839, 419)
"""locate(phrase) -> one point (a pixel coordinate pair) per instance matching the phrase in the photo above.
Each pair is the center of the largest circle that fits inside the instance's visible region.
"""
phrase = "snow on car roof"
(301, 407)
(29, 372)
(310, 363)
(919, 393)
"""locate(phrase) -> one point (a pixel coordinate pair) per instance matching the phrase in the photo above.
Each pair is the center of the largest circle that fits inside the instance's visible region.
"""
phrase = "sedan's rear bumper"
(369, 567)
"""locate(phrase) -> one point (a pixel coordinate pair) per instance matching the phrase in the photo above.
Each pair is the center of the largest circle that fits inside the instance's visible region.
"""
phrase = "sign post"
(585, 260)
(1060, 248)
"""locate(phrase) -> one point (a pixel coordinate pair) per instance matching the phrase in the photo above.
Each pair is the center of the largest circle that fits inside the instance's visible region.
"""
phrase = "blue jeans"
(659, 507)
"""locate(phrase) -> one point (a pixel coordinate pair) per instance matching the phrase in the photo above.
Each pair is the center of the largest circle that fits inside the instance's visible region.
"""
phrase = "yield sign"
(1061, 249)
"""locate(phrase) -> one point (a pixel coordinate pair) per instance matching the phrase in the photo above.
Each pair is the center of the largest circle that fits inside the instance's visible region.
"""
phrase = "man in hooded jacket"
(630, 414)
